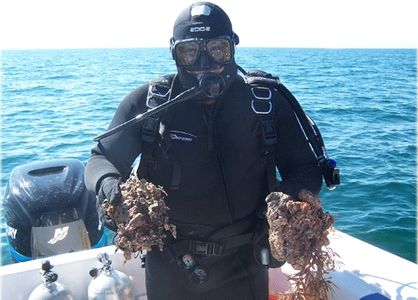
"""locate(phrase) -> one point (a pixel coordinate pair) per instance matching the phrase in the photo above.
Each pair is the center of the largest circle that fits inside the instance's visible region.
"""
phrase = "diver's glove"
(109, 189)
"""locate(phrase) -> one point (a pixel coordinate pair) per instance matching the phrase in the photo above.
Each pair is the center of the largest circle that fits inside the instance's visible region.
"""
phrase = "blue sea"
(364, 101)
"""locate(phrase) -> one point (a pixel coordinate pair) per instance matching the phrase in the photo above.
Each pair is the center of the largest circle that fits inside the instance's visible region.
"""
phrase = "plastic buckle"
(269, 132)
(149, 130)
(206, 248)
(201, 248)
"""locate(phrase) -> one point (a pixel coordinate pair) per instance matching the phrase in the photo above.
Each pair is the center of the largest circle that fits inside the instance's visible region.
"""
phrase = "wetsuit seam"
(212, 115)
(247, 277)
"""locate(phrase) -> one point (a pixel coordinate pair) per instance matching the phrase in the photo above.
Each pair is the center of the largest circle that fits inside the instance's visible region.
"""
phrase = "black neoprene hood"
(202, 20)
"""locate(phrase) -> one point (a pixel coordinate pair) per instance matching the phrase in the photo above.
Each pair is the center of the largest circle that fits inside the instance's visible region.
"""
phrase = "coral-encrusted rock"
(141, 218)
(298, 234)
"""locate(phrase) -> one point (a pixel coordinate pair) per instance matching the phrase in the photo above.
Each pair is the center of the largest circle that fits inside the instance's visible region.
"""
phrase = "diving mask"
(188, 53)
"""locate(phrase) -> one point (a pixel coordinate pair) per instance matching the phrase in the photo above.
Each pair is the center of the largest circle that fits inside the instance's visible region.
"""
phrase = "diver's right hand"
(110, 190)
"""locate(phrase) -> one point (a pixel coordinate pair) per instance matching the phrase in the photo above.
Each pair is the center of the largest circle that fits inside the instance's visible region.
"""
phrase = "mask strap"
(172, 48)
(235, 38)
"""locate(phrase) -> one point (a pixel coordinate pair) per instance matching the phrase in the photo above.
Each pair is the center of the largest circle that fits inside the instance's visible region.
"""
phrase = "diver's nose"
(204, 60)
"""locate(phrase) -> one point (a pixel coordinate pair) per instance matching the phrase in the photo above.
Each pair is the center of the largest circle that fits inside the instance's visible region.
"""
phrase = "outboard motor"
(49, 211)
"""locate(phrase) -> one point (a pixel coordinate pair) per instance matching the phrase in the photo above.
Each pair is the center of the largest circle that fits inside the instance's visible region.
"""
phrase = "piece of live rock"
(142, 217)
(298, 234)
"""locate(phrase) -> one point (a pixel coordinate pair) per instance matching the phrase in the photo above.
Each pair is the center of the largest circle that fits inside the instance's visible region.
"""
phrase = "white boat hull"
(366, 272)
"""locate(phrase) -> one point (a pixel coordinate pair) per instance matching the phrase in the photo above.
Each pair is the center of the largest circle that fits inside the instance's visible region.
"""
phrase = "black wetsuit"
(210, 162)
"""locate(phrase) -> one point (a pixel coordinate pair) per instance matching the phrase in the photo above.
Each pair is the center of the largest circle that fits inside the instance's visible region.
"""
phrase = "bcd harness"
(261, 85)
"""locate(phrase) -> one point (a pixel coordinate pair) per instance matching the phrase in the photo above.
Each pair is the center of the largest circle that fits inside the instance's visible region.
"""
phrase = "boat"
(364, 272)
(50, 215)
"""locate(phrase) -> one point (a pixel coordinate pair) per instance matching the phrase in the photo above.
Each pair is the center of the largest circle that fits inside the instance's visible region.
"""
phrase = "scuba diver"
(215, 155)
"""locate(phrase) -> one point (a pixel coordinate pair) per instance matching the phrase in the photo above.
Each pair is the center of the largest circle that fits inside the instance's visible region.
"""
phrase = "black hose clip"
(330, 172)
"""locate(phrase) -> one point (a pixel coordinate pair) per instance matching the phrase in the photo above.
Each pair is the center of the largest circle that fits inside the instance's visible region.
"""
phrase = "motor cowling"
(48, 210)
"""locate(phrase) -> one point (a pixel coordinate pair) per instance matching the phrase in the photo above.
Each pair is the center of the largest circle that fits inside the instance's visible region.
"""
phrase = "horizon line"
(241, 47)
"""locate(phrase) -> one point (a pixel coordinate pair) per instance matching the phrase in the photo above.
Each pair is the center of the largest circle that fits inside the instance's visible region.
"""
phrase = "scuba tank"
(108, 283)
(50, 289)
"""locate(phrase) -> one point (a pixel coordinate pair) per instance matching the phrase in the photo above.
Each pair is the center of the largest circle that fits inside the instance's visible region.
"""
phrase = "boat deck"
(365, 272)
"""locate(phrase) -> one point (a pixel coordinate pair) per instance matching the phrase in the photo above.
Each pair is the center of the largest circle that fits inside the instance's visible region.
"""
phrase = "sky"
(37, 24)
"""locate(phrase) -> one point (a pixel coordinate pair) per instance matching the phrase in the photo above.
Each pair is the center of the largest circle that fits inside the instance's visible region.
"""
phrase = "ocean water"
(364, 101)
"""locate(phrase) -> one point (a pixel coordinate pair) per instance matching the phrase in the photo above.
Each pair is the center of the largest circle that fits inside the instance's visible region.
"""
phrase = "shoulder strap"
(309, 128)
(159, 91)
(261, 105)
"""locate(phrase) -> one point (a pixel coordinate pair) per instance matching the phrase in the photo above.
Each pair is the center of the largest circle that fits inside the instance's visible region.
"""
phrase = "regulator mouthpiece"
(212, 84)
